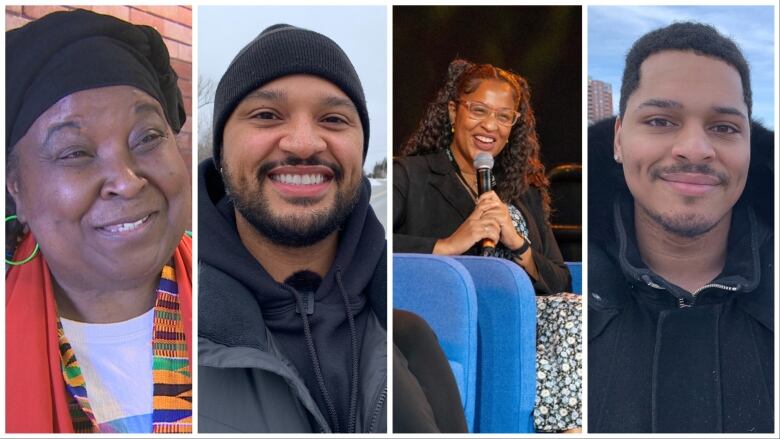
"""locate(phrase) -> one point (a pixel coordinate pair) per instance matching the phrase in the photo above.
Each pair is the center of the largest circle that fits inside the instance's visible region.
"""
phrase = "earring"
(452, 129)
(617, 159)
(28, 258)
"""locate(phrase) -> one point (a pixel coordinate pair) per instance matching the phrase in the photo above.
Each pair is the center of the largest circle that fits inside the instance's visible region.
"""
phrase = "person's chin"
(686, 224)
(132, 266)
(147, 250)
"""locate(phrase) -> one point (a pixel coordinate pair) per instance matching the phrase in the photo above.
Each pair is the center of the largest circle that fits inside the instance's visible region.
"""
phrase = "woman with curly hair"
(437, 209)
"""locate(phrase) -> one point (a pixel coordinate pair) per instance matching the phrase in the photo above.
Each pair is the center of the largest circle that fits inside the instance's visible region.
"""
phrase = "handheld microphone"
(483, 163)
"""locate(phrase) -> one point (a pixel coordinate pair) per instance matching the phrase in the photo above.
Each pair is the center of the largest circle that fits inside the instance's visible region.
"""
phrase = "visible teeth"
(299, 179)
(484, 139)
(124, 227)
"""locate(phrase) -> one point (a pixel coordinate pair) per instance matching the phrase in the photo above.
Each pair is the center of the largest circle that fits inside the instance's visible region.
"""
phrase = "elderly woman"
(437, 209)
(98, 296)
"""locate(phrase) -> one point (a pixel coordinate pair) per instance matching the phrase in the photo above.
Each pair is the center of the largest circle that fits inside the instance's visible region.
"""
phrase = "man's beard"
(291, 230)
(682, 225)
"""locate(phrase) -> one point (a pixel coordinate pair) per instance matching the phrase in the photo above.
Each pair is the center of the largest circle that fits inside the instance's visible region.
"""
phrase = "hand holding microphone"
(483, 163)
(484, 225)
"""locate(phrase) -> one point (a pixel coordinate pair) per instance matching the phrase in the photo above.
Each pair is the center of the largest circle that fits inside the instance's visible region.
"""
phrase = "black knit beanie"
(282, 50)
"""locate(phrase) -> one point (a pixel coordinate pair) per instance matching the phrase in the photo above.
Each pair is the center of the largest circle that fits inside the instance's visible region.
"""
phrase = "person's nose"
(694, 145)
(123, 177)
(490, 122)
(303, 138)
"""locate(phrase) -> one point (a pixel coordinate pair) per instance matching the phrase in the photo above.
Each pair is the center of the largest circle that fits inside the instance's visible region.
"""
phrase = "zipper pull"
(681, 303)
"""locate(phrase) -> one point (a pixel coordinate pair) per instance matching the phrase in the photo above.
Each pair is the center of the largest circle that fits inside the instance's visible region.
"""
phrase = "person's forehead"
(111, 101)
(684, 75)
(284, 87)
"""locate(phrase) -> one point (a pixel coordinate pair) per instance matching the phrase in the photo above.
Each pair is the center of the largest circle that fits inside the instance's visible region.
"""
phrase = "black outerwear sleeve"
(554, 276)
(429, 203)
(403, 242)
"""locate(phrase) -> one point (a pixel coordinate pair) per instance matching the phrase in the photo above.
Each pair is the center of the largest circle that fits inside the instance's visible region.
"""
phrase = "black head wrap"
(66, 52)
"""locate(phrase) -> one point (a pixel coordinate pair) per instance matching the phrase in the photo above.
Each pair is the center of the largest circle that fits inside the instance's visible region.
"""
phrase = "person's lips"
(691, 184)
(125, 225)
(301, 181)
(484, 142)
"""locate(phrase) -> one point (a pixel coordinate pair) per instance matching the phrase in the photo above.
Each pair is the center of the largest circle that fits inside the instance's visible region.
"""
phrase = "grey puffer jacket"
(247, 384)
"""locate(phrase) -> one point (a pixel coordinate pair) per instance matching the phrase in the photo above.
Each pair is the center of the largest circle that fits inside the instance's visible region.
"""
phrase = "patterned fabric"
(172, 400)
(558, 362)
(558, 353)
(522, 228)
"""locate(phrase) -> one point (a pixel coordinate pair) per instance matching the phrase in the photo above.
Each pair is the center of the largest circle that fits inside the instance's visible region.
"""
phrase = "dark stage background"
(543, 44)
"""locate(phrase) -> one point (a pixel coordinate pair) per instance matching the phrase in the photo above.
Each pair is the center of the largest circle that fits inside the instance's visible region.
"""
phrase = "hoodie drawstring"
(352, 420)
(315, 359)
(355, 372)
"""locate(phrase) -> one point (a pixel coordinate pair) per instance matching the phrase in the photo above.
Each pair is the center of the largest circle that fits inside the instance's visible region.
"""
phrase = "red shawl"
(35, 396)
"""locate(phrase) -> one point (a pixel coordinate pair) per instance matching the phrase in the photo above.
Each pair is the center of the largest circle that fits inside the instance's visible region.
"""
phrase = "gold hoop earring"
(28, 258)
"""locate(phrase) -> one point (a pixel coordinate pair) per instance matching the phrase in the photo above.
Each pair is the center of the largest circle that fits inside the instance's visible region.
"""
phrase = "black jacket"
(429, 203)
(659, 358)
(246, 382)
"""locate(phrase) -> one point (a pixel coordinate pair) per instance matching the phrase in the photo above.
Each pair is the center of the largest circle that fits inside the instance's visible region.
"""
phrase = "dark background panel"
(543, 44)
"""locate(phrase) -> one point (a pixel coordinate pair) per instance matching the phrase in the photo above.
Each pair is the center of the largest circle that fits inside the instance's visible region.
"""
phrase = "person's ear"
(12, 186)
(617, 144)
(452, 109)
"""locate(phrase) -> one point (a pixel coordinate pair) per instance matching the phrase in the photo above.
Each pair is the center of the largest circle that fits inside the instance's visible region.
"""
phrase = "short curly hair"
(518, 165)
(701, 39)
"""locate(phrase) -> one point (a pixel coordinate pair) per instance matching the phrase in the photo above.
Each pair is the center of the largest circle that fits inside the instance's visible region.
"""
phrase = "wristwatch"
(518, 253)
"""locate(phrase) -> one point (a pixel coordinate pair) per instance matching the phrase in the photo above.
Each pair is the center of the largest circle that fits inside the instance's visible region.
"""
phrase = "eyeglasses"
(480, 111)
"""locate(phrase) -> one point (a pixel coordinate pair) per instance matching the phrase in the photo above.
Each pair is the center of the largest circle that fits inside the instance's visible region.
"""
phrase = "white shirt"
(116, 363)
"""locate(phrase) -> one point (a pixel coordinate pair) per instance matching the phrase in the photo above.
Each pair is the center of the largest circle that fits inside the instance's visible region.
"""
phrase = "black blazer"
(429, 203)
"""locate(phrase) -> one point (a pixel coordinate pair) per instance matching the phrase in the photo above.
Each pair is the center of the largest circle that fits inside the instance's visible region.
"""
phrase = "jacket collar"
(444, 179)
(741, 273)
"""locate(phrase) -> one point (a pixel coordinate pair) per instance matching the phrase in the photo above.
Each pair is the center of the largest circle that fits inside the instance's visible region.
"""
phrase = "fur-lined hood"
(606, 180)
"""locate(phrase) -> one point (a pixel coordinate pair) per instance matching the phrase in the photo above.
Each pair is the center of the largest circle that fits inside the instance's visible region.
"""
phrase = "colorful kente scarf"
(172, 399)
(36, 398)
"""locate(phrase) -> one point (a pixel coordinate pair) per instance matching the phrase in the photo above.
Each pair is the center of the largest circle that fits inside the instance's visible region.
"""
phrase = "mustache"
(689, 168)
(265, 168)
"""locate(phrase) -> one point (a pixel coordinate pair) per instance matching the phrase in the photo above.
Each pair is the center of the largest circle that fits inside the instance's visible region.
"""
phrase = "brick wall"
(173, 22)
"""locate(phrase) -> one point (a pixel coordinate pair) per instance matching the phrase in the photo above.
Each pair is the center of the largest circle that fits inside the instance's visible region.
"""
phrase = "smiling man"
(680, 244)
(292, 258)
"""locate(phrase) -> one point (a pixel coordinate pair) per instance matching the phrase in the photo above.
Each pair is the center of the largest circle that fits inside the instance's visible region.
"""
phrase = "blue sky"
(612, 30)
(361, 31)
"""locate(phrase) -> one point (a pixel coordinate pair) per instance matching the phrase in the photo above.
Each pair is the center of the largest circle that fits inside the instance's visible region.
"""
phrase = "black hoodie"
(323, 347)
(661, 359)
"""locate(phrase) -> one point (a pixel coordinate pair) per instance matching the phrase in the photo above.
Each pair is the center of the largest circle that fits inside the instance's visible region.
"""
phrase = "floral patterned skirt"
(558, 362)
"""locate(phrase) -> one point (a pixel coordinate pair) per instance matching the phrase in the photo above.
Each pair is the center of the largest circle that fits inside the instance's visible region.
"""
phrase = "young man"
(680, 251)
(292, 258)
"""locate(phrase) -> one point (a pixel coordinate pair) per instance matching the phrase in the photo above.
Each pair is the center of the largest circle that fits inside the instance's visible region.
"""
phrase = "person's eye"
(724, 128)
(149, 140)
(73, 155)
(479, 110)
(659, 122)
(266, 114)
(335, 119)
(505, 118)
(151, 137)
